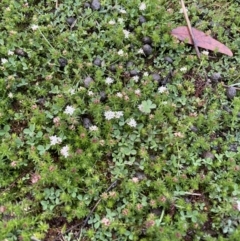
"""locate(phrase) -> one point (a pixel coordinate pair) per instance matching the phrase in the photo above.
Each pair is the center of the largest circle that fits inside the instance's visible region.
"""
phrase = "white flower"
(109, 80)
(109, 115)
(126, 33)
(140, 107)
(121, 10)
(90, 93)
(181, 10)
(10, 95)
(69, 110)
(140, 51)
(132, 123)
(205, 52)
(4, 61)
(137, 91)
(34, 27)
(118, 114)
(64, 151)
(145, 74)
(72, 91)
(111, 22)
(10, 52)
(183, 69)
(162, 89)
(81, 88)
(119, 94)
(93, 128)
(135, 78)
(238, 205)
(120, 20)
(142, 6)
(120, 52)
(55, 140)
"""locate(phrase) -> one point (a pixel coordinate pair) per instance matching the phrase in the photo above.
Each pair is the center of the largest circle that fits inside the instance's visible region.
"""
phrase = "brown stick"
(190, 28)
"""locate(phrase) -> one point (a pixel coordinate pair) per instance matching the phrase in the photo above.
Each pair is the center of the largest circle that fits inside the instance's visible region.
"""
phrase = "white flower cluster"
(135, 78)
(142, 6)
(109, 80)
(120, 20)
(55, 140)
(162, 89)
(65, 151)
(132, 123)
(72, 91)
(111, 22)
(120, 52)
(183, 69)
(121, 10)
(126, 33)
(34, 27)
(4, 61)
(10, 52)
(119, 94)
(140, 51)
(205, 52)
(140, 107)
(69, 110)
(181, 10)
(113, 114)
(93, 128)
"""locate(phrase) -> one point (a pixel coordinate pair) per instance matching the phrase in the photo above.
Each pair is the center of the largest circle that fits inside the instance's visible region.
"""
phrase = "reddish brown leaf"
(202, 40)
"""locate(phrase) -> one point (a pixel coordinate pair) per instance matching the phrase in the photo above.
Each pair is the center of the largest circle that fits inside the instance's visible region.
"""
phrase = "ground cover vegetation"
(109, 128)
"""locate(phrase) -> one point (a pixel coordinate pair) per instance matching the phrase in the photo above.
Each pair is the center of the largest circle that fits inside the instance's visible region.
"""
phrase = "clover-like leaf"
(146, 106)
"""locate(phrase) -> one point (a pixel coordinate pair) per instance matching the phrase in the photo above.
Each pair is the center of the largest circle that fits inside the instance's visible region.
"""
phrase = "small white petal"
(69, 110)
(142, 6)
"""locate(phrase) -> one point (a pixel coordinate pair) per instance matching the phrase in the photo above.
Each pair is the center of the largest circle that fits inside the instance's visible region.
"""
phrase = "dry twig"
(190, 28)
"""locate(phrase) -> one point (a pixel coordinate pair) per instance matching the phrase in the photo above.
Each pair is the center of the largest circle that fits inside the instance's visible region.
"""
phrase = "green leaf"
(146, 106)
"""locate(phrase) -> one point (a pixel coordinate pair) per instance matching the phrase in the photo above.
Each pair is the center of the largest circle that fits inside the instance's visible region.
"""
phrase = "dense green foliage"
(84, 104)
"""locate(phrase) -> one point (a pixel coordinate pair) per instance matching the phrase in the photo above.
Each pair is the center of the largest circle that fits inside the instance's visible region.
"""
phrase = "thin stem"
(45, 39)
(190, 28)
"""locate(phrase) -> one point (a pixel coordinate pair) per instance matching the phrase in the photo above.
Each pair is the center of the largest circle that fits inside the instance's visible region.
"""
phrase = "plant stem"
(190, 28)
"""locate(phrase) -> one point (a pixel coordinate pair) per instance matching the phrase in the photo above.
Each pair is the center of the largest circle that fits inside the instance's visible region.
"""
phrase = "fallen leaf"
(201, 39)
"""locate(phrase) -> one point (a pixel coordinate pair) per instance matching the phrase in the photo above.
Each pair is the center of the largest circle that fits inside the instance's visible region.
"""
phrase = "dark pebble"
(113, 68)
(88, 81)
(103, 96)
(129, 64)
(147, 40)
(20, 52)
(97, 62)
(233, 147)
(71, 20)
(95, 5)
(134, 72)
(156, 77)
(215, 77)
(41, 101)
(226, 108)
(194, 129)
(168, 59)
(157, 211)
(87, 122)
(87, 5)
(140, 175)
(62, 62)
(142, 20)
(147, 49)
(131, 28)
(208, 154)
(231, 92)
